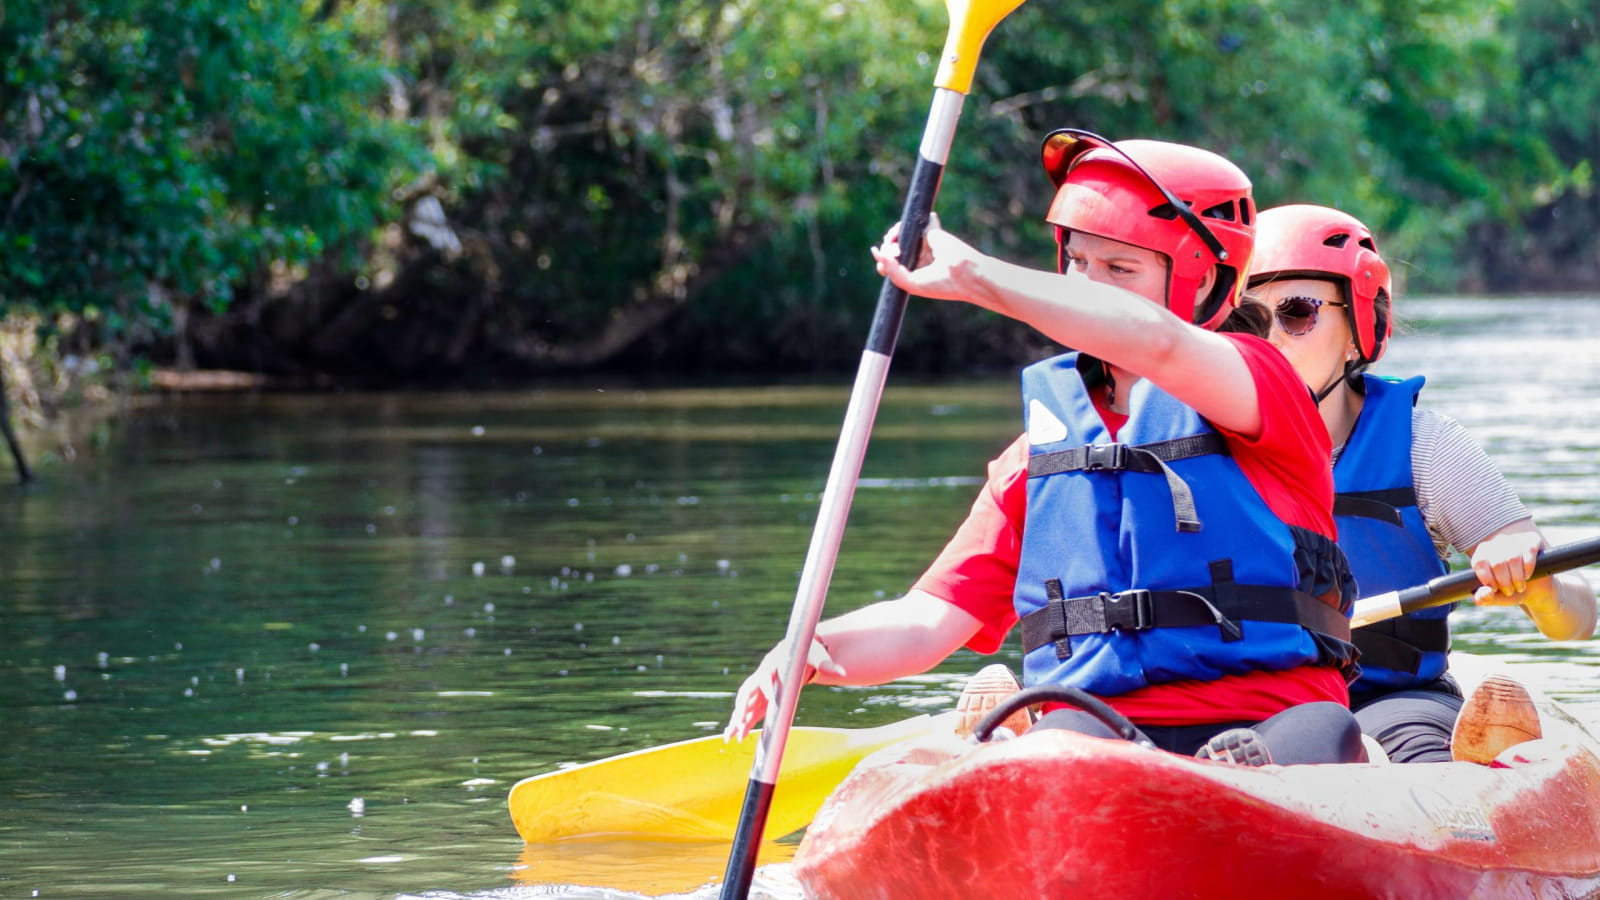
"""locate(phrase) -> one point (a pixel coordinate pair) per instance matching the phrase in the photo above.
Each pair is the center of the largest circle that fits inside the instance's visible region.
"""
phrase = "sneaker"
(985, 691)
(1238, 746)
(1499, 714)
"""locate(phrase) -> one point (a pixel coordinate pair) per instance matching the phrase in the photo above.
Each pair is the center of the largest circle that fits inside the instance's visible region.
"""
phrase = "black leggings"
(1321, 732)
(1413, 725)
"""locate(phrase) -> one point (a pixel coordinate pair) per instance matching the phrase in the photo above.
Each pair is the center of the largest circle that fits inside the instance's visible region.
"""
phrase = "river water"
(300, 646)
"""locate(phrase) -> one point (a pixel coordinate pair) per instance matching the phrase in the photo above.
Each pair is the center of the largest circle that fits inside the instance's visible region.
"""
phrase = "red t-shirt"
(1288, 463)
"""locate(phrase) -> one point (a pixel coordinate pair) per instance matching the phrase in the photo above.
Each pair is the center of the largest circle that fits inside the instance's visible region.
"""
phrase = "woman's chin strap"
(1352, 374)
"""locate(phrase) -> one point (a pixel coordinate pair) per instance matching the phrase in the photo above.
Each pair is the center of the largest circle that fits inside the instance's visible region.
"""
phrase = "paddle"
(1460, 585)
(692, 789)
(970, 24)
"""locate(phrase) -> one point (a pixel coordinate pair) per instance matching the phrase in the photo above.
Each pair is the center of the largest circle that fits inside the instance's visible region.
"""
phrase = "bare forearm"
(895, 638)
(1104, 321)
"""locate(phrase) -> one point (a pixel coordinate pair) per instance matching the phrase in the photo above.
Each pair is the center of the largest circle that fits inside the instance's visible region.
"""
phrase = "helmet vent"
(1223, 211)
(1164, 211)
(1337, 241)
(1368, 243)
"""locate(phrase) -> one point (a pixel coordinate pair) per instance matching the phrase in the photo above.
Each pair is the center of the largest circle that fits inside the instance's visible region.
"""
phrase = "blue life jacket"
(1153, 559)
(1386, 540)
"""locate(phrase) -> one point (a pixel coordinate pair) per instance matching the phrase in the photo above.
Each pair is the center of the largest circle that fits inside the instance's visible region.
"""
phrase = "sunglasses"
(1062, 148)
(1298, 315)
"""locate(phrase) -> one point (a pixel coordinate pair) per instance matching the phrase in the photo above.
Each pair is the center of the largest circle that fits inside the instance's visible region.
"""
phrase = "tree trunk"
(24, 474)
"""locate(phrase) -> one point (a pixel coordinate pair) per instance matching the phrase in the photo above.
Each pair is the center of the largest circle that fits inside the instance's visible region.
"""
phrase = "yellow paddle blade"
(970, 24)
(695, 788)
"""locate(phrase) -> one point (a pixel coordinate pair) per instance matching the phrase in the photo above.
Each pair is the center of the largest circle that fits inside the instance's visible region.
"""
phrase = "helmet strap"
(1350, 374)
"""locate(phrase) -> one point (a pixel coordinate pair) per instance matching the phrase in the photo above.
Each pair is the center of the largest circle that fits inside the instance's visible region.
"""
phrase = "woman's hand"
(1504, 563)
(946, 267)
(761, 688)
(1562, 606)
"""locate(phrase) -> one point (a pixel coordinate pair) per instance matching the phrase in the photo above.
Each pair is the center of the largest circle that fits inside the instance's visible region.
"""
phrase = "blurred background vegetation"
(393, 193)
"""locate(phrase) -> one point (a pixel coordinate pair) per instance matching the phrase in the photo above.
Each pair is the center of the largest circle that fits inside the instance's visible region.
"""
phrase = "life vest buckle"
(1128, 610)
(1105, 457)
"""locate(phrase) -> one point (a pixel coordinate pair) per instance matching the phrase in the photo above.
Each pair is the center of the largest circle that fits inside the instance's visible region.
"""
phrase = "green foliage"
(694, 183)
(155, 154)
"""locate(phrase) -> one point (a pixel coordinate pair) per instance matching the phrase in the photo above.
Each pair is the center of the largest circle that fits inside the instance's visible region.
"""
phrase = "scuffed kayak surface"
(1056, 814)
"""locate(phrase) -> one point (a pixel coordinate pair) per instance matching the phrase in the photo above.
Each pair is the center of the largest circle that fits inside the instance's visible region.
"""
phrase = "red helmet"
(1305, 241)
(1188, 204)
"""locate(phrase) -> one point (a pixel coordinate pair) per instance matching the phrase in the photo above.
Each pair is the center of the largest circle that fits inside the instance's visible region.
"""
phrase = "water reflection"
(243, 615)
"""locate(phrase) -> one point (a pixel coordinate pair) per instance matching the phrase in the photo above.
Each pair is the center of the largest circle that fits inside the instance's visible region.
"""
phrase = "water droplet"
(477, 568)
(624, 570)
(61, 673)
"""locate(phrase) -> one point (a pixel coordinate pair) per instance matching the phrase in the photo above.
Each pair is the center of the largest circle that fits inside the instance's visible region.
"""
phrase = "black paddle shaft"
(891, 309)
(1460, 585)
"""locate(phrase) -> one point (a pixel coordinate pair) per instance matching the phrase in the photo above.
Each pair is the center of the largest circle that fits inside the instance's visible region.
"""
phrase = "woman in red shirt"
(1166, 467)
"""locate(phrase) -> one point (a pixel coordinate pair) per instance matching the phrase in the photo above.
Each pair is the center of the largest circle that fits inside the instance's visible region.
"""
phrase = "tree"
(158, 156)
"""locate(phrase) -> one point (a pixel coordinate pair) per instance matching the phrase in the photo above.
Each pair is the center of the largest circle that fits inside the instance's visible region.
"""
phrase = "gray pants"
(1411, 725)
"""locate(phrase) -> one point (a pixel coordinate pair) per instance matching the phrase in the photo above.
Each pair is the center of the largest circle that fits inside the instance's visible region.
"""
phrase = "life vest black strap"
(1141, 610)
(1382, 505)
(1398, 644)
(1149, 458)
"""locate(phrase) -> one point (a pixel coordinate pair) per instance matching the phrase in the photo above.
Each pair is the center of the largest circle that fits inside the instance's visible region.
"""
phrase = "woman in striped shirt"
(1410, 483)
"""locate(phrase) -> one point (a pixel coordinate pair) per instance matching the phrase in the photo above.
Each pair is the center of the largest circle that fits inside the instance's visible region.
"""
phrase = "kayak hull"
(1057, 814)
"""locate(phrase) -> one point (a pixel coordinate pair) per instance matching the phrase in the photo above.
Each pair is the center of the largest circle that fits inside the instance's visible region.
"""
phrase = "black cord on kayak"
(1060, 693)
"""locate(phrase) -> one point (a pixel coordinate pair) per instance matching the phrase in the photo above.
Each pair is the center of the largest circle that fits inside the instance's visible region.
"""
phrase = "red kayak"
(1055, 814)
